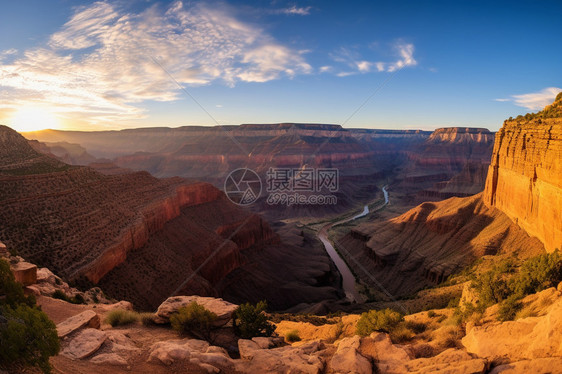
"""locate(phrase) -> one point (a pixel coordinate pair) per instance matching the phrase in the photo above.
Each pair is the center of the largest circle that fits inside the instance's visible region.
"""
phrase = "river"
(347, 276)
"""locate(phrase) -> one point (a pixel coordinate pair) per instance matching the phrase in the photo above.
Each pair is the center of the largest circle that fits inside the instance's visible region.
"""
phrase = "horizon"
(110, 65)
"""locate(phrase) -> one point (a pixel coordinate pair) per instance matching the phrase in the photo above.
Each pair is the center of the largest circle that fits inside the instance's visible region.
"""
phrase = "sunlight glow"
(34, 119)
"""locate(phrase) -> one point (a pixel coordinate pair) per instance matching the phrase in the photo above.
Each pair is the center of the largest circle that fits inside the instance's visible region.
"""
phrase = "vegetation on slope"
(28, 337)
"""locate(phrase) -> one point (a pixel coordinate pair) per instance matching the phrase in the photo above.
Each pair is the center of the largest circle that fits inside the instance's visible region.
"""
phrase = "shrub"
(509, 308)
(250, 321)
(416, 327)
(78, 299)
(537, 274)
(147, 319)
(491, 287)
(58, 294)
(431, 314)
(378, 320)
(293, 336)
(120, 317)
(193, 319)
(401, 333)
(27, 335)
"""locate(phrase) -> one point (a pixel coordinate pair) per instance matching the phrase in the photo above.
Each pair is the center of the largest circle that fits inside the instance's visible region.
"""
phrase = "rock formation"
(525, 177)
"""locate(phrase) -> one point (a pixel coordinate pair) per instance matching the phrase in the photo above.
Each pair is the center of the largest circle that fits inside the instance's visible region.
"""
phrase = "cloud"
(352, 59)
(294, 10)
(534, 100)
(101, 62)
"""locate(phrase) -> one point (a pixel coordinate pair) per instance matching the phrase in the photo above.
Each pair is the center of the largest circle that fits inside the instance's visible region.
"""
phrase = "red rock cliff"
(525, 177)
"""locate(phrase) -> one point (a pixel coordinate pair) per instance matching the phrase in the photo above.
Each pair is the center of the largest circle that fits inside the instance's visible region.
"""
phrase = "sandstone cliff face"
(525, 177)
(451, 162)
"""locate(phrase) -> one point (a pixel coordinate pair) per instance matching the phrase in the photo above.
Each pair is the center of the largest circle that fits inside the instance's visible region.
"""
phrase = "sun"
(34, 118)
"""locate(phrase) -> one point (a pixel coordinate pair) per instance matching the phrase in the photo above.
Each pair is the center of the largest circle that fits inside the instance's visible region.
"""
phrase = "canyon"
(126, 230)
(430, 165)
(517, 214)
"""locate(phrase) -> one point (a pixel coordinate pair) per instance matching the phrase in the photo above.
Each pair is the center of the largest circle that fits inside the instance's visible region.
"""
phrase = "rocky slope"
(525, 177)
(425, 245)
(452, 162)
(129, 231)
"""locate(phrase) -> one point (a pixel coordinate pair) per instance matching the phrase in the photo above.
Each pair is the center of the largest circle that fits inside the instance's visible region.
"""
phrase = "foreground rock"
(25, 273)
(109, 359)
(347, 359)
(223, 309)
(87, 318)
(197, 352)
(527, 338)
(551, 365)
(303, 359)
(85, 343)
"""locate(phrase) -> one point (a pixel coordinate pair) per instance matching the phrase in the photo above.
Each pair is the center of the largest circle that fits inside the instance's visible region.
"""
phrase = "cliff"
(451, 162)
(525, 177)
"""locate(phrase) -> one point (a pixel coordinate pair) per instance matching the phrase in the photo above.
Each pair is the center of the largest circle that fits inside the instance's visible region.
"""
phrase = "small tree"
(378, 320)
(27, 335)
(250, 321)
(194, 319)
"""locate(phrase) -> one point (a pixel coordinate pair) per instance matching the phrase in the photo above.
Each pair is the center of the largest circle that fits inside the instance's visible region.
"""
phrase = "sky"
(82, 65)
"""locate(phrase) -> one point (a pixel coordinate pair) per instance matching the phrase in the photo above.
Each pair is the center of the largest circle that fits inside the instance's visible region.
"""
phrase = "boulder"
(84, 344)
(223, 309)
(527, 338)
(109, 359)
(87, 318)
(198, 352)
(451, 361)
(290, 359)
(347, 359)
(46, 275)
(25, 273)
(125, 305)
(551, 365)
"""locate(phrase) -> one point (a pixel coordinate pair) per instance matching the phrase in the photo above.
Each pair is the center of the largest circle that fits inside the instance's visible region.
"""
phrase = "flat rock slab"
(25, 273)
(109, 359)
(87, 318)
(223, 309)
(86, 343)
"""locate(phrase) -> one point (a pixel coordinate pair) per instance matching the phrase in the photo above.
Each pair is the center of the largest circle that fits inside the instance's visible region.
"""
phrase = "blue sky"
(119, 64)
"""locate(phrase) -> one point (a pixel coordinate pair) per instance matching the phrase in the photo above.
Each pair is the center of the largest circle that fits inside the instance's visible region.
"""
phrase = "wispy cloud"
(294, 10)
(534, 100)
(353, 60)
(99, 63)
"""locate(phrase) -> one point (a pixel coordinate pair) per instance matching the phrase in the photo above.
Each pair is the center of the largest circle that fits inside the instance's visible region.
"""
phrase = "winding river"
(348, 277)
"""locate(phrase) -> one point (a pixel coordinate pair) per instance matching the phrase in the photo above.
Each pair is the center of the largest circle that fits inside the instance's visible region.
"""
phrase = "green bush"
(120, 317)
(509, 308)
(250, 321)
(431, 314)
(193, 319)
(537, 273)
(378, 320)
(293, 336)
(78, 299)
(27, 335)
